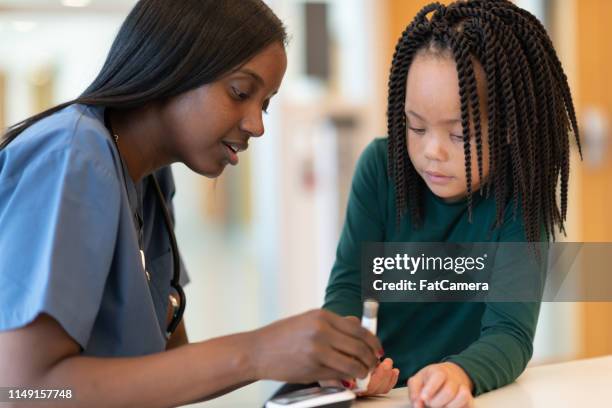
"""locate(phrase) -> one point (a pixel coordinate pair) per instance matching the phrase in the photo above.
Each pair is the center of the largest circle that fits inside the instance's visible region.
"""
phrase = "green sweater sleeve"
(363, 223)
(504, 347)
(505, 344)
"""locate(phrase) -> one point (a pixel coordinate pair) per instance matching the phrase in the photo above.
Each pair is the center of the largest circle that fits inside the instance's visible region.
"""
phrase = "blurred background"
(260, 241)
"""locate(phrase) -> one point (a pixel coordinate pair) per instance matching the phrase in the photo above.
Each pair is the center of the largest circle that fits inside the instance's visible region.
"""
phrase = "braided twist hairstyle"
(529, 106)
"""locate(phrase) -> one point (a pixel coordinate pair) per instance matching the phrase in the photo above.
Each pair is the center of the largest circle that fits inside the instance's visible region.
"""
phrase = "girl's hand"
(316, 345)
(441, 385)
(383, 379)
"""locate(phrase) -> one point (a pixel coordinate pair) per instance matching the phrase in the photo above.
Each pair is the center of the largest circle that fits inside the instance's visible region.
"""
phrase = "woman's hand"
(383, 379)
(316, 345)
(441, 385)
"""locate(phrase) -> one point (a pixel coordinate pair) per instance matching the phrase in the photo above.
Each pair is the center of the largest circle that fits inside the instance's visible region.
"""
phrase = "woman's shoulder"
(74, 127)
(75, 134)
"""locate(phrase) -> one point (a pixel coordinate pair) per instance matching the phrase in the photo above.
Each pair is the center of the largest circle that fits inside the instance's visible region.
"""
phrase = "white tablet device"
(319, 397)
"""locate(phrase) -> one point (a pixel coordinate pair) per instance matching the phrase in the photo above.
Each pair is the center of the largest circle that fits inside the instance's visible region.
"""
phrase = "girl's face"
(207, 126)
(433, 126)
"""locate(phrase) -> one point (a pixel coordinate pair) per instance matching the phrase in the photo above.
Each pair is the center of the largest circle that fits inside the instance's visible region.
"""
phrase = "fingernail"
(346, 384)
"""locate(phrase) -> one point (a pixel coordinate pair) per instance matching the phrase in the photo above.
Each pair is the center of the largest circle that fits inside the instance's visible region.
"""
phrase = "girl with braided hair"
(479, 122)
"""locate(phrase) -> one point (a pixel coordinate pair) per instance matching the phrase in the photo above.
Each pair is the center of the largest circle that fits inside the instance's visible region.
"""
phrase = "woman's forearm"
(190, 373)
(313, 345)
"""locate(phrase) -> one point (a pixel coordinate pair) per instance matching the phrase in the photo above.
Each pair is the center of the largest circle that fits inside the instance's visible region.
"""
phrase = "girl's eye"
(418, 131)
(239, 94)
(457, 138)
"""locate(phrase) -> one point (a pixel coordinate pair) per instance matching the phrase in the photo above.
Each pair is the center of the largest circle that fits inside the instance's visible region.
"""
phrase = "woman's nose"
(252, 123)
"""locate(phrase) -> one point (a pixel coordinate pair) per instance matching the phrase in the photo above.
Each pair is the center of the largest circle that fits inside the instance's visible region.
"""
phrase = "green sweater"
(492, 342)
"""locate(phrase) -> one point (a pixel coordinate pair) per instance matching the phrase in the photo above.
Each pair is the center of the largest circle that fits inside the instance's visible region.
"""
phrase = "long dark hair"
(530, 109)
(167, 47)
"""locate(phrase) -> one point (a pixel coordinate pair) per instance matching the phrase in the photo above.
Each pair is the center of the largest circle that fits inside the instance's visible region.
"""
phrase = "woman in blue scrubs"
(90, 294)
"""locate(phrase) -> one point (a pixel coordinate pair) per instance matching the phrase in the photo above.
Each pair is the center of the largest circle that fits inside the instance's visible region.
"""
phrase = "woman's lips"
(437, 178)
(233, 148)
(232, 155)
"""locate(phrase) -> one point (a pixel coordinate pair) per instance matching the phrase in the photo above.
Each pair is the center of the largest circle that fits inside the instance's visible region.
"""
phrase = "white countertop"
(575, 384)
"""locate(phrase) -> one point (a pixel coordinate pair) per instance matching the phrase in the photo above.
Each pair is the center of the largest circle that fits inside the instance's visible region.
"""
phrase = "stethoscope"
(178, 305)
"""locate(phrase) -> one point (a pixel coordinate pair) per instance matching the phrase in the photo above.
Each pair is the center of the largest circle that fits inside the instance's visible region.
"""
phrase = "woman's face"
(209, 125)
(433, 126)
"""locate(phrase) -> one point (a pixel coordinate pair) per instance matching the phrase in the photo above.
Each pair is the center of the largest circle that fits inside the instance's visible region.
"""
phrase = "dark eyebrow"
(413, 113)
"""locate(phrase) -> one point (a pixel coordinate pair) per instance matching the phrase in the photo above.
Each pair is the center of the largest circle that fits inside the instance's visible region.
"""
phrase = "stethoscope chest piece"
(144, 265)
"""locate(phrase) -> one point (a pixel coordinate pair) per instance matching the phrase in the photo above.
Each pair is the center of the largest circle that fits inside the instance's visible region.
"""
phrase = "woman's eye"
(239, 94)
(418, 131)
(457, 138)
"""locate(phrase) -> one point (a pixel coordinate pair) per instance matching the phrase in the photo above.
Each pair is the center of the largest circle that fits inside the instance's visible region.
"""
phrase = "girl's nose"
(434, 149)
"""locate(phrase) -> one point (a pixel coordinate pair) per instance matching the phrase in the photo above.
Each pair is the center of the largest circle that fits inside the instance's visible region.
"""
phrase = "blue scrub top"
(68, 242)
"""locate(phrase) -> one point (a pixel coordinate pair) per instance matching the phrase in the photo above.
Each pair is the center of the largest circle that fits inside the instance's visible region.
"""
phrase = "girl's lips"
(437, 178)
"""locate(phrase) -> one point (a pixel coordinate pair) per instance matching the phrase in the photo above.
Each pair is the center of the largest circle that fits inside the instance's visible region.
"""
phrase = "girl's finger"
(385, 375)
(392, 381)
(463, 399)
(376, 377)
(444, 395)
(384, 386)
(415, 386)
(432, 385)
